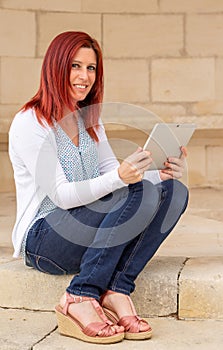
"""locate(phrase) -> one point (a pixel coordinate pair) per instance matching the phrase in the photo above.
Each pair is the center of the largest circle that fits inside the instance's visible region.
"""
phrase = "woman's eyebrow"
(88, 63)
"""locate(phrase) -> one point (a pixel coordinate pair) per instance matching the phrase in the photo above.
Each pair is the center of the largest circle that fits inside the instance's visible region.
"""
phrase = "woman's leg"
(57, 244)
(96, 235)
(126, 220)
(174, 198)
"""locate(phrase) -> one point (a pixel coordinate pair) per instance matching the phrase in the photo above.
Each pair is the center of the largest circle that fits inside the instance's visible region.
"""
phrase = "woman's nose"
(83, 73)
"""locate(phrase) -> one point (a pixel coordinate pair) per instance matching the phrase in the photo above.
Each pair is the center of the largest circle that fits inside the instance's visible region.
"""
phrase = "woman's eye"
(91, 68)
(75, 65)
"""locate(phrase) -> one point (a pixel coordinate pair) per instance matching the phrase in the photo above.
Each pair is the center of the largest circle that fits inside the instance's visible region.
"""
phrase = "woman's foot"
(119, 307)
(84, 318)
(84, 312)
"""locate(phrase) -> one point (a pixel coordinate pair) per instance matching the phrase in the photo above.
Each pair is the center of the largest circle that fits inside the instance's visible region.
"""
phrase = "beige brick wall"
(204, 35)
(191, 6)
(122, 79)
(50, 24)
(18, 33)
(142, 35)
(183, 79)
(163, 55)
(19, 78)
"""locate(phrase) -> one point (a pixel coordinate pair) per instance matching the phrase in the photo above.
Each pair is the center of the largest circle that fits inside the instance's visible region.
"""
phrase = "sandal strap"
(94, 328)
(79, 299)
(100, 312)
(132, 323)
(76, 300)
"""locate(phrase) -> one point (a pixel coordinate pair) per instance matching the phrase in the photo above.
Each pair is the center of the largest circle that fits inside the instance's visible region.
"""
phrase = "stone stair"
(185, 278)
(180, 291)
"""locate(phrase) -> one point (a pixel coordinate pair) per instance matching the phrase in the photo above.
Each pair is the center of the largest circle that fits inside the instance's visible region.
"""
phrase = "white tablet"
(165, 141)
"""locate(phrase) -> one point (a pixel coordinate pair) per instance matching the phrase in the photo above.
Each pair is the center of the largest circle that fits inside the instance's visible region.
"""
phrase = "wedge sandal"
(71, 327)
(130, 323)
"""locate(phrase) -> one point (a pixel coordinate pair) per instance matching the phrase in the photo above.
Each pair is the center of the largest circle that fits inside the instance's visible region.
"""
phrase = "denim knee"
(150, 199)
(181, 194)
(131, 218)
(175, 197)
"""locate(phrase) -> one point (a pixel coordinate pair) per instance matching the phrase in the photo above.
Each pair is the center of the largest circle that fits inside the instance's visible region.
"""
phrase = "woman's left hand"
(175, 167)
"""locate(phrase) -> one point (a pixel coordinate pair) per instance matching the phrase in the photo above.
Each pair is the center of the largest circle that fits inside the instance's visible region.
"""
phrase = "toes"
(144, 326)
(119, 329)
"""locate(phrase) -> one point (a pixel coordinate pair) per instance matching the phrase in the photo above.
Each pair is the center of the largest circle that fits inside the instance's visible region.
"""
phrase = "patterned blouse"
(78, 162)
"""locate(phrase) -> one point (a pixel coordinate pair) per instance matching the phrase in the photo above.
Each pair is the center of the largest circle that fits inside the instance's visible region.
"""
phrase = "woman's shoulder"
(27, 120)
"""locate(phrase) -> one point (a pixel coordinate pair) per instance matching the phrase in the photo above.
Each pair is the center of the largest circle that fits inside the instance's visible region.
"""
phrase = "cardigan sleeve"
(33, 149)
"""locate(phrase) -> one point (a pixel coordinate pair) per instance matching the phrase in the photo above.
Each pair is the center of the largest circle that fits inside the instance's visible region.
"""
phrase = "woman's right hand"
(133, 167)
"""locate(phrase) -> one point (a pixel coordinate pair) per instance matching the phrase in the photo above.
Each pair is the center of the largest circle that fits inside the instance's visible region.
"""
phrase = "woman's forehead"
(85, 54)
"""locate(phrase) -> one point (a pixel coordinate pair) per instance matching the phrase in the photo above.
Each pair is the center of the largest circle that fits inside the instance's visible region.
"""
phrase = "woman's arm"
(33, 153)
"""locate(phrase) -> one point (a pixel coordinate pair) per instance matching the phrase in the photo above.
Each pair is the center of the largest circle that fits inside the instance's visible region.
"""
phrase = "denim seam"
(38, 257)
(43, 231)
(109, 238)
(114, 284)
(79, 293)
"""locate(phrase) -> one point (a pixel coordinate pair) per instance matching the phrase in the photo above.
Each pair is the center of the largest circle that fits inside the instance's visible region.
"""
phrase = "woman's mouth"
(80, 86)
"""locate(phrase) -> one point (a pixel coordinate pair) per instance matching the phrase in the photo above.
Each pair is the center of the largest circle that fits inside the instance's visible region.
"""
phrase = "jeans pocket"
(45, 265)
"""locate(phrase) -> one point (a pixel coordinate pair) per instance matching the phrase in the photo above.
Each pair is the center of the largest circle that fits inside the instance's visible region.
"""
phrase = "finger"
(144, 164)
(136, 173)
(173, 174)
(182, 157)
(174, 167)
(138, 156)
(177, 161)
(184, 151)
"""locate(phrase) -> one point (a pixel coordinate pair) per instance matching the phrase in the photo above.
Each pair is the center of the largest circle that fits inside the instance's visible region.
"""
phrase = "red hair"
(54, 91)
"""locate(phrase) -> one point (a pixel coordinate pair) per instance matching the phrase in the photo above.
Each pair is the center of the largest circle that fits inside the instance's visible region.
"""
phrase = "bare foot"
(85, 313)
(121, 304)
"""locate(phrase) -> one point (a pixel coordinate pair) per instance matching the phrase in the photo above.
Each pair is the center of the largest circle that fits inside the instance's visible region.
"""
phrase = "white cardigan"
(38, 173)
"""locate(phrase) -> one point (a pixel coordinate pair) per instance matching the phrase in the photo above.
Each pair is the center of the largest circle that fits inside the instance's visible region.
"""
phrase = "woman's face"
(83, 73)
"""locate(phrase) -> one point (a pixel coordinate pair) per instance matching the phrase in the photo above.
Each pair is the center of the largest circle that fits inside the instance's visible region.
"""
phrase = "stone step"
(180, 286)
(25, 330)
(184, 279)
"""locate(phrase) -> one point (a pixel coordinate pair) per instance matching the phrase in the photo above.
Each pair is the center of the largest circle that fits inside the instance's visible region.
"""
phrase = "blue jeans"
(107, 243)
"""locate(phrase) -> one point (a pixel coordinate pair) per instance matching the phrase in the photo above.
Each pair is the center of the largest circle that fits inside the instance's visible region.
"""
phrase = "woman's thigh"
(56, 243)
(50, 252)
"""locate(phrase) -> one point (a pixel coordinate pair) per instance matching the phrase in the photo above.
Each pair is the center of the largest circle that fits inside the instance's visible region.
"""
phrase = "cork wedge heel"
(96, 332)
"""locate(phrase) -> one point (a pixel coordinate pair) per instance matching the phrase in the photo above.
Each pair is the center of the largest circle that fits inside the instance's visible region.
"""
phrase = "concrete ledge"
(156, 288)
(201, 288)
(156, 291)
(187, 288)
(24, 287)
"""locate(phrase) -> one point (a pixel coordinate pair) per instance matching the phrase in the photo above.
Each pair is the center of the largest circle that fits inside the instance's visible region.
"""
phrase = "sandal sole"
(138, 336)
(68, 327)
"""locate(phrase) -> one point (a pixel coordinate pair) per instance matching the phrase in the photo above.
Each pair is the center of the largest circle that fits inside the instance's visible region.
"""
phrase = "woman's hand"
(133, 167)
(175, 167)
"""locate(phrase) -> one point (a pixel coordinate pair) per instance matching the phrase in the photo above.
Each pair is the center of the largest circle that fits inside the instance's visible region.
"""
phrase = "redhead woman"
(79, 211)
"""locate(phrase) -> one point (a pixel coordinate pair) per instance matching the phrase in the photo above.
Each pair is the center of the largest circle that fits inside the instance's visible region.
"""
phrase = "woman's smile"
(83, 73)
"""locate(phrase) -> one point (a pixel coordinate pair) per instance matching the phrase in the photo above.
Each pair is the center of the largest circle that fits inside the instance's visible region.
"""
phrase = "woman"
(78, 210)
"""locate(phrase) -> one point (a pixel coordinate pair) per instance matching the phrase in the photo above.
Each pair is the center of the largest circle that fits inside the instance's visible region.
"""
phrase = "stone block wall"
(162, 55)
